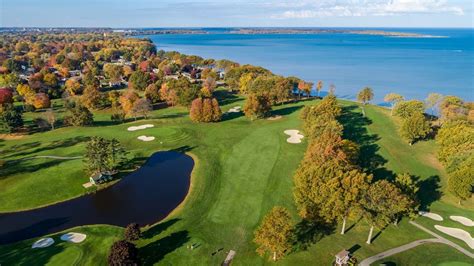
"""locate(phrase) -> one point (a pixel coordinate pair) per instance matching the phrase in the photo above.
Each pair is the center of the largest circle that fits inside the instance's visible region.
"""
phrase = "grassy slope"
(244, 169)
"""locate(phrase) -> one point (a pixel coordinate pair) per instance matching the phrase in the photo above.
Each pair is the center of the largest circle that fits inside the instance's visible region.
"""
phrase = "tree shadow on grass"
(286, 110)
(355, 129)
(226, 97)
(47, 146)
(230, 116)
(13, 167)
(23, 254)
(308, 233)
(429, 192)
(156, 251)
(158, 229)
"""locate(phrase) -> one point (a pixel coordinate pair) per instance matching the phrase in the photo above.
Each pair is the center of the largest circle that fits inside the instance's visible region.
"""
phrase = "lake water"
(412, 67)
(145, 196)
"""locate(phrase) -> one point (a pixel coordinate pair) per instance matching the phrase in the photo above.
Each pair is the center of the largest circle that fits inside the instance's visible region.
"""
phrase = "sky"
(237, 13)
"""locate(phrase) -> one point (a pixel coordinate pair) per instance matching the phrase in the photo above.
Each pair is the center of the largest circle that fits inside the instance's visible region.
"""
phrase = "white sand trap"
(295, 136)
(135, 128)
(457, 233)
(146, 138)
(463, 220)
(431, 215)
(43, 243)
(273, 118)
(235, 109)
(73, 237)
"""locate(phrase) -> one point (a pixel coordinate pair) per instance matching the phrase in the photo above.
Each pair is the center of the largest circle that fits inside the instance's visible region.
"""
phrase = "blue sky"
(213, 13)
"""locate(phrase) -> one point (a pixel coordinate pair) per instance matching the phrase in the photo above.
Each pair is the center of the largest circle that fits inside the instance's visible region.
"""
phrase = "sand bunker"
(295, 136)
(146, 138)
(43, 243)
(73, 237)
(433, 216)
(276, 117)
(457, 233)
(235, 109)
(135, 128)
(463, 220)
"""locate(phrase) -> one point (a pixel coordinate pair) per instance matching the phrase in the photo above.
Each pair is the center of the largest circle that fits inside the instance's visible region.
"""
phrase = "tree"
(452, 108)
(152, 93)
(123, 253)
(410, 187)
(10, 118)
(79, 115)
(454, 139)
(27, 93)
(256, 106)
(50, 80)
(141, 107)
(305, 87)
(319, 86)
(393, 99)
(113, 72)
(381, 204)
(205, 110)
(405, 109)
(415, 127)
(139, 80)
(73, 86)
(50, 117)
(432, 101)
(461, 179)
(127, 100)
(208, 87)
(6, 96)
(274, 233)
(92, 98)
(365, 96)
(41, 101)
(132, 232)
(103, 155)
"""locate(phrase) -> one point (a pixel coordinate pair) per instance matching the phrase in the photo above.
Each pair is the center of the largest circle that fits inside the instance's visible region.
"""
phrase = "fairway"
(243, 169)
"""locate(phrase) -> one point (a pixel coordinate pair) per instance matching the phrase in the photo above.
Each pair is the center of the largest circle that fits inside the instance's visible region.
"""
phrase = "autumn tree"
(274, 234)
(455, 139)
(365, 96)
(41, 101)
(73, 86)
(205, 110)
(305, 87)
(152, 93)
(27, 93)
(139, 80)
(452, 108)
(113, 72)
(92, 98)
(319, 86)
(256, 106)
(381, 204)
(461, 178)
(50, 117)
(123, 253)
(409, 186)
(208, 87)
(141, 107)
(393, 99)
(6, 96)
(415, 127)
(127, 100)
(50, 80)
(132, 232)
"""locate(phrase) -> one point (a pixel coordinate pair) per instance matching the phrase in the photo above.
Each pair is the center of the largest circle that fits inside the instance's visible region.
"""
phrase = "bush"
(132, 232)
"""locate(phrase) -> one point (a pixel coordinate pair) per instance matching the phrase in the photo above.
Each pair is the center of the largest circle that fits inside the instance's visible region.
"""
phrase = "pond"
(145, 196)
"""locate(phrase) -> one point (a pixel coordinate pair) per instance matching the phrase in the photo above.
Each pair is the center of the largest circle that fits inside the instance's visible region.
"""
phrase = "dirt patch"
(11, 136)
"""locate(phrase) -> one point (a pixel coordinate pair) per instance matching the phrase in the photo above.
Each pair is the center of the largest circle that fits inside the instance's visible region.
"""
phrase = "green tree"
(406, 109)
(274, 233)
(139, 80)
(123, 253)
(454, 139)
(11, 118)
(393, 99)
(461, 179)
(152, 93)
(103, 155)
(381, 204)
(79, 115)
(415, 127)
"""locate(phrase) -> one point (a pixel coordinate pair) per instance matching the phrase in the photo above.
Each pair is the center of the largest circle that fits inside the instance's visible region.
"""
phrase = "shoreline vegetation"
(243, 31)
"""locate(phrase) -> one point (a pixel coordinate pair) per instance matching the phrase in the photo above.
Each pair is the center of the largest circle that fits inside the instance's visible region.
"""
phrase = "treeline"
(330, 187)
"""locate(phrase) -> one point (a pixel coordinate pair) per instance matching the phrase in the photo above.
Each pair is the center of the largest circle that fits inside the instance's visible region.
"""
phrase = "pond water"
(145, 196)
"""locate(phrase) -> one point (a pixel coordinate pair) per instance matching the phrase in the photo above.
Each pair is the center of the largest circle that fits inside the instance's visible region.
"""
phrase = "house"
(73, 73)
(221, 74)
(101, 177)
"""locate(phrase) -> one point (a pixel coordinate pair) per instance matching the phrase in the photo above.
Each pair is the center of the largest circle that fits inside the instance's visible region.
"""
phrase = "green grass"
(93, 251)
(428, 254)
(243, 169)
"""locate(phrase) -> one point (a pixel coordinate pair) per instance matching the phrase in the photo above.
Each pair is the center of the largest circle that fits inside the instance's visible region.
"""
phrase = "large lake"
(145, 196)
(412, 67)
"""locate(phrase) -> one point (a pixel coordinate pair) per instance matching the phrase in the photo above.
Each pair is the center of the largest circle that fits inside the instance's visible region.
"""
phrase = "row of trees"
(330, 187)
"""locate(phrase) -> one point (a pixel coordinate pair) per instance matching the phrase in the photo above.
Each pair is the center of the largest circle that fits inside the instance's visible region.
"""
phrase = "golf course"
(242, 169)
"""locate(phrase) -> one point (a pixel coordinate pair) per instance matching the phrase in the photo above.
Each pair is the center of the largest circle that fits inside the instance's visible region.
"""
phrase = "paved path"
(437, 239)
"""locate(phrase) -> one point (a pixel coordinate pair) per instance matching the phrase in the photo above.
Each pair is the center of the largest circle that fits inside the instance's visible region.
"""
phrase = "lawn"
(245, 168)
